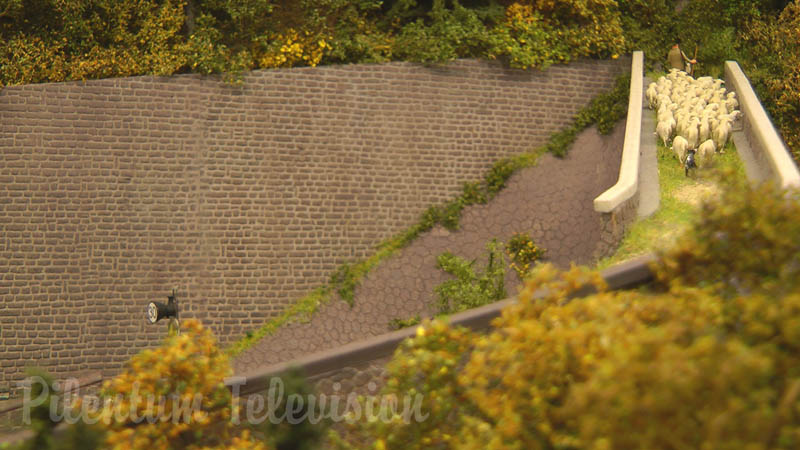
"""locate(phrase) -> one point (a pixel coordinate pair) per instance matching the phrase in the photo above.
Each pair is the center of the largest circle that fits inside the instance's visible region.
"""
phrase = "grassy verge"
(604, 111)
(680, 200)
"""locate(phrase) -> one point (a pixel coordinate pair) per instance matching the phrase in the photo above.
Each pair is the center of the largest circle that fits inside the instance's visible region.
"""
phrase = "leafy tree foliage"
(775, 69)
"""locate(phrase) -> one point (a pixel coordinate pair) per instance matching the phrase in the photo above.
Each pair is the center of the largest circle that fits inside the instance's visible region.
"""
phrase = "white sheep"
(662, 99)
(665, 114)
(682, 122)
(692, 133)
(673, 74)
(680, 147)
(720, 134)
(664, 130)
(693, 111)
(705, 153)
(652, 95)
(705, 129)
(731, 103)
(705, 82)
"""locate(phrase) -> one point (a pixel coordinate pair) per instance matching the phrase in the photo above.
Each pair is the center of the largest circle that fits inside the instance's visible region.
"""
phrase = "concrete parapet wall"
(768, 149)
(614, 224)
(627, 184)
(619, 204)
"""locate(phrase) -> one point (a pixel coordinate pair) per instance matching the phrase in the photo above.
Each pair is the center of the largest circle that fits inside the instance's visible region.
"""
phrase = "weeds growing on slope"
(604, 111)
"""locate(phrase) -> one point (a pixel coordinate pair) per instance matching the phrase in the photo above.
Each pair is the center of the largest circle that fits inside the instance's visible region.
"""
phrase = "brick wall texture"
(244, 198)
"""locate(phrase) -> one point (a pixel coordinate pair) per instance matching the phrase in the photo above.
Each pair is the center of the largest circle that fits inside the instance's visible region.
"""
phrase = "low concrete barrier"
(356, 359)
(769, 151)
(628, 181)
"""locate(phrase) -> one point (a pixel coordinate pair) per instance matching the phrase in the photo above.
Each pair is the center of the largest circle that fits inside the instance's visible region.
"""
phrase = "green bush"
(446, 33)
(296, 431)
(543, 32)
(137, 408)
(397, 324)
(345, 280)
(471, 288)
(774, 68)
(747, 243)
(649, 25)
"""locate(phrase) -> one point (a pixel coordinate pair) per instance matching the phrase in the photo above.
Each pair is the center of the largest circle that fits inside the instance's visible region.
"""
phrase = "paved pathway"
(649, 189)
(552, 202)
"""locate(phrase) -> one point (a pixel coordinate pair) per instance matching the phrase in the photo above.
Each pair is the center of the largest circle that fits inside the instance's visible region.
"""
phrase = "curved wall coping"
(628, 181)
(775, 151)
(626, 275)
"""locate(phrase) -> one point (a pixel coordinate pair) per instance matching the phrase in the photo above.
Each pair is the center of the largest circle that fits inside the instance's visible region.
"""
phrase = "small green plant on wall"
(523, 253)
(397, 324)
(471, 288)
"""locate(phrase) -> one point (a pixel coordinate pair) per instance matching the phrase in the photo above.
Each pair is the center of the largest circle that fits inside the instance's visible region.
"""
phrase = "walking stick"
(694, 59)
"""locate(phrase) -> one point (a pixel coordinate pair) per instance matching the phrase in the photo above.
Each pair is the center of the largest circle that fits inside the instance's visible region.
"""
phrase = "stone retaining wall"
(244, 198)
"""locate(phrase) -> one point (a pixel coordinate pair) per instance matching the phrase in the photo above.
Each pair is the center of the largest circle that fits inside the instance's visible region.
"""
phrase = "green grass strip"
(678, 209)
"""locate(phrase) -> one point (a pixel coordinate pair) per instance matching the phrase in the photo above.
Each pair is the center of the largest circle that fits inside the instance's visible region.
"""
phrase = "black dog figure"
(689, 164)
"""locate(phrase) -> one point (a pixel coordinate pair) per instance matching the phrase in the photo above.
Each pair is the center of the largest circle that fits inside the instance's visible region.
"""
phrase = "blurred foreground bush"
(706, 357)
(173, 397)
(188, 373)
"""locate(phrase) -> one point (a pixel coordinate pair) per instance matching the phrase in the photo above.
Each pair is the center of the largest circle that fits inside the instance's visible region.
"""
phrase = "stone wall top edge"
(216, 79)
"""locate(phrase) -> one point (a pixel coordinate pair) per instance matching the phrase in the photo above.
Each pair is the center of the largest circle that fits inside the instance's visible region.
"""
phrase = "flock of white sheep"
(695, 114)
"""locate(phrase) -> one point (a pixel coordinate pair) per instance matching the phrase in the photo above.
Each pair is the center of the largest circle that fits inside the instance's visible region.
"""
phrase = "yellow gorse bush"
(117, 39)
(707, 357)
(523, 253)
(295, 48)
(174, 396)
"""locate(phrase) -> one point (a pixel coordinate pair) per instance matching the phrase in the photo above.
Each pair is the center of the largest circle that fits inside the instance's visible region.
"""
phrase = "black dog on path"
(689, 164)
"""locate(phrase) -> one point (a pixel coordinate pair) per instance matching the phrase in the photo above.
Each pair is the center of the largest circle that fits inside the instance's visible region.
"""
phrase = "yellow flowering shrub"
(523, 253)
(43, 61)
(706, 357)
(185, 375)
(427, 365)
(95, 39)
(294, 48)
